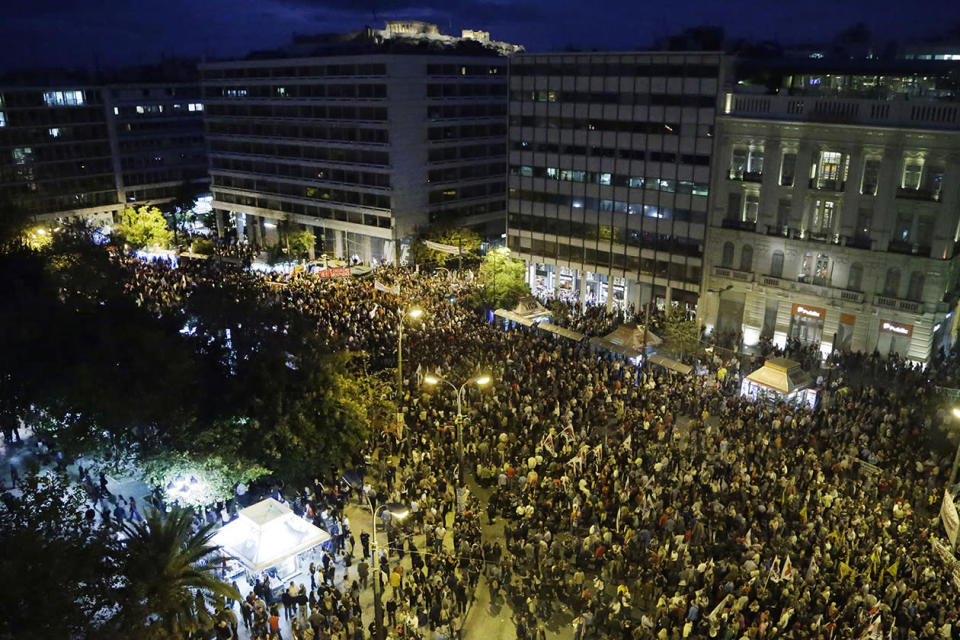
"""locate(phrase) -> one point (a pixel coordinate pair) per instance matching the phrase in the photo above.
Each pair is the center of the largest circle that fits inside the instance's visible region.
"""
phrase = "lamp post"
(481, 380)
(398, 511)
(414, 314)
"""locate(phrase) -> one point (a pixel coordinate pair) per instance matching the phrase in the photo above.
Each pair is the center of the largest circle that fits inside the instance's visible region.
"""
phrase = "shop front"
(843, 339)
(806, 323)
(894, 337)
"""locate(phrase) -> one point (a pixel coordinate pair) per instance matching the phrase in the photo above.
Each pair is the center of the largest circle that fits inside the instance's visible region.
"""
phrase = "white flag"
(787, 573)
(775, 570)
(626, 443)
(379, 286)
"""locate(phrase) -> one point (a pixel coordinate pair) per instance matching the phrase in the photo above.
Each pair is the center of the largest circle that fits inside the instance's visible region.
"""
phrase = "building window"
(891, 285)
(3, 119)
(832, 170)
(816, 269)
(933, 181)
(788, 168)
(734, 203)
(197, 106)
(903, 227)
(783, 213)
(63, 98)
(824, 213)
(776, 264)
(855, 277)
(871, 177)
(55, 132)
(912, 172)
(604, 178)
(751, 207)
(864, 221)
(726, 259)
(915, 289)
(755, 162)
(738, 163)
(746, 258)
(526, 172)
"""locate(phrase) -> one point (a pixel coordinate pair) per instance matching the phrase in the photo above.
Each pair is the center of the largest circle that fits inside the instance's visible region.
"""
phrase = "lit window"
(140, 108)
(63, 98)
(177, 107)
(55, 132)
(3, 119)
(604, 178)
(526, 172)
(116, 111)
(198, 106)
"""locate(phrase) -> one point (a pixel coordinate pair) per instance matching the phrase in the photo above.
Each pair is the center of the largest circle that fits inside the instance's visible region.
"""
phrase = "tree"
(143, 227)
(502, 280)
(59, 571)
(205, 479)
(300, 244)
(167, 566)
(180, 209)
(681, 333)
(467, 240)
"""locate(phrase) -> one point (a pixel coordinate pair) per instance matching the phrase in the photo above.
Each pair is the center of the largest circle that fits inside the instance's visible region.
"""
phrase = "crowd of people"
(646, 504)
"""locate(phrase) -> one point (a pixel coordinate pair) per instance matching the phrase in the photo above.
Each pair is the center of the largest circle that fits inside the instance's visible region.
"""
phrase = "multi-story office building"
(86, 150)
(609, 173)
(835, 207)
(366, 141)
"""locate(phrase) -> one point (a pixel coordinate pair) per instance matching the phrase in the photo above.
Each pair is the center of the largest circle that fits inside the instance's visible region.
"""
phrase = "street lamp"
(414, 314)
(481, 380)
(398, 511)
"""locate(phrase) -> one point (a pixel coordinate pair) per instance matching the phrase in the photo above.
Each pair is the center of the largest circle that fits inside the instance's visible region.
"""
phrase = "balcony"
(827, 185)
(909, 248)
(860, 242)
(741, 225)
(927, 195)
(733, 274)
(847, 295)
(910, 306)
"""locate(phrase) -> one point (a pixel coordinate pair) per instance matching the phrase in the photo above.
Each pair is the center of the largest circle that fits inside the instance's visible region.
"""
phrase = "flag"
(598, 452)
(399, 426)
(787, 573)
(892, 569)
(443, 248)
(844, 570)
(775, 570)
(747, 540)
(547, 443)
(626, 443)
(803, 514)
(568, 433)
(379, 286)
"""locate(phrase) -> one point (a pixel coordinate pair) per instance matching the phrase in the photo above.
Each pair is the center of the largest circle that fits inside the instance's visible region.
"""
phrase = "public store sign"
(806, 311)
(896, 328)
(950, 518)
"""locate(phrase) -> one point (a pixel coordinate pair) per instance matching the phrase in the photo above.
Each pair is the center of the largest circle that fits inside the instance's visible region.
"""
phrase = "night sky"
(54, 33)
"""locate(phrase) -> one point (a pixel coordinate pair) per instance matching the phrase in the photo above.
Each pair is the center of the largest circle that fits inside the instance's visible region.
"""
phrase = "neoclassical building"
(835, 209)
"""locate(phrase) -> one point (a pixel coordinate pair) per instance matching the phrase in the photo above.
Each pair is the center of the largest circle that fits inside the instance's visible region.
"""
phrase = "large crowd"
(638, 502)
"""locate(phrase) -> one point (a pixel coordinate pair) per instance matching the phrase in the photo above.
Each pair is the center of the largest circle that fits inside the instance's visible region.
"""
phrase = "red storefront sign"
(335, 272)
(806, 311)
(848, 318)
(897, 329)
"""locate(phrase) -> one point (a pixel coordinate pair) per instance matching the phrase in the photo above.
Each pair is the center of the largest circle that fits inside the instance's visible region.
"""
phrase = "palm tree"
(166, 582)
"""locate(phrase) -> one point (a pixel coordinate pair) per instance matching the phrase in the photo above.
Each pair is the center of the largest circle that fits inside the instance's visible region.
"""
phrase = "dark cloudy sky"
(76, 32)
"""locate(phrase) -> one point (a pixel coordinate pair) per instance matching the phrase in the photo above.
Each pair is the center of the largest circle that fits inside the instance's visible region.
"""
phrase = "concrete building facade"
(835, 212)
(609, 173)
(69, 151)
(366, 146)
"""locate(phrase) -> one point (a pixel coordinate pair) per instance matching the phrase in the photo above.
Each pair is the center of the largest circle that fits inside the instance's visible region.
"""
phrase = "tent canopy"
(530, 307)
(561, 331)
(627, 340)
(266, 534)
(514, 317)
(672, 365)
(781, 374)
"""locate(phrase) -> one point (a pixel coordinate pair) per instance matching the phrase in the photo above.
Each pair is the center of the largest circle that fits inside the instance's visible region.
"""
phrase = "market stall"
(561, 331)
(780, 380)
(670, 365)
(269, 535)
(528, 312)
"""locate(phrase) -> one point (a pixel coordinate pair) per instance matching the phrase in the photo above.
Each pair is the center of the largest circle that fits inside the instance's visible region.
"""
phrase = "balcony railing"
(827, 185)
(742, 225)
(928, 195)
(911, 306)
(733, 274)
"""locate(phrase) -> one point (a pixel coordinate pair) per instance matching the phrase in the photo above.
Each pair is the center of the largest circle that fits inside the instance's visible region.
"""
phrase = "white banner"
(950, 518)
(379, 286)
(443, 248)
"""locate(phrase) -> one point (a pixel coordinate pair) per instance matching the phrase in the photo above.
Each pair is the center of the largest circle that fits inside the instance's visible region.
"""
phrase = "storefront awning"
(513, 317)
(672, 365)
(266, 534)
(561, 331)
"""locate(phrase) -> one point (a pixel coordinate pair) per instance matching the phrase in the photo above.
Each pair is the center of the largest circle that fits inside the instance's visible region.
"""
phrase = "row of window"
(455, 111)
(311, 132)
(52, 118)
(32, 202)
(158, 159)
(128, 145)
(166, 174)
(306, 71)
(613, 69)
(465, 193)
(299, 208)
(623, 153)
(305, 152)
(465, 172)
(303, 112)
(466, 90)
(616, 97)
(614, 206)
(168, 127)
(830, 171)
(464, 131)
(155, 109)
(620, 126)
(465, 70)
(325, 174)
(343, 196)
(63, 133)
(336, 91)
(584, 254)
(466, 152)
(465, 211)
(668, 185)
(64, 98)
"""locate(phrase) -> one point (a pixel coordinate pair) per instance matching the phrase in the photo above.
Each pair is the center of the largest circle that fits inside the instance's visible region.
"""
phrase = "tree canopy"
(467, 240)
(144, 227)
(503, 280)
